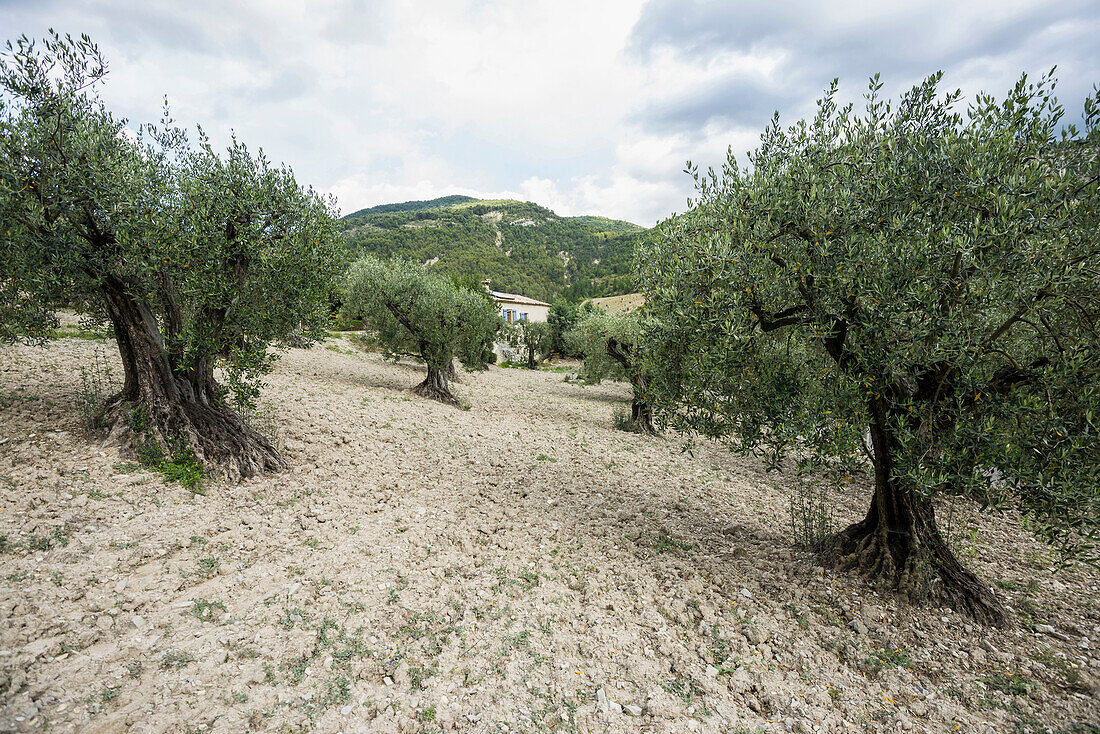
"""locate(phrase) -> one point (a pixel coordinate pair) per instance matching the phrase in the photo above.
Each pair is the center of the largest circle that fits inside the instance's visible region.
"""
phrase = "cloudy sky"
(585, 106)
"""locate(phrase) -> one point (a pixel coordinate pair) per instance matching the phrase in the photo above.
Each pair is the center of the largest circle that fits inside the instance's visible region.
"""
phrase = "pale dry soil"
(518, 566)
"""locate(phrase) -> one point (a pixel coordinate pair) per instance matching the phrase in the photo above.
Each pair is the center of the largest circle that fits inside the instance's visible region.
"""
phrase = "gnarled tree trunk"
(169, 409)
(641, 413)
(435, 386)
(899, 541)
(451, 372)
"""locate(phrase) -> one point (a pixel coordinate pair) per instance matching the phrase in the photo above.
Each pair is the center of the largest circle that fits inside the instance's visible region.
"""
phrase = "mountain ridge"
(522, 247)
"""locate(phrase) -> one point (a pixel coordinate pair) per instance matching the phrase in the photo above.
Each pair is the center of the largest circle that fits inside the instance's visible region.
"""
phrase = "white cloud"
(585, 107)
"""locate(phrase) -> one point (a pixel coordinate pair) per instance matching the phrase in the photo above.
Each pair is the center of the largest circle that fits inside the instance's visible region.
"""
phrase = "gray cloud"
(978, 48)
(287, 84)
(738, 99)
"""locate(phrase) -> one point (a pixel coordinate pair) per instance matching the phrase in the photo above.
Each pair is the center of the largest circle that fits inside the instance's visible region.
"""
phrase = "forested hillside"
(522, 247)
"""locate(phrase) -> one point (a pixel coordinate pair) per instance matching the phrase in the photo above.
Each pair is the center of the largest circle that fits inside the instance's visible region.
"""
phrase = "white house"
(517, 308)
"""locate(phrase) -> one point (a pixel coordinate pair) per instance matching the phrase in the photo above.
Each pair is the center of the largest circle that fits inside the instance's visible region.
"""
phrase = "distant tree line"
(461, 240)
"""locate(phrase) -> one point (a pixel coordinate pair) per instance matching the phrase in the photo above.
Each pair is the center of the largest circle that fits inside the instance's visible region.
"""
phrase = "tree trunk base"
(641, 418)
(918, 564)
(435, 387)
(215, 437)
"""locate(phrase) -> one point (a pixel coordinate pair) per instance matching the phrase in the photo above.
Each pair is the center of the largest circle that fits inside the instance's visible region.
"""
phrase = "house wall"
(534, 313)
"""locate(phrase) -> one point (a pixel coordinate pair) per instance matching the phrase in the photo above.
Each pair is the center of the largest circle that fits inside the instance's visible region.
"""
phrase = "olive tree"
(532, 339)
(924, 276)
(421, 313)
(197, 260)
(562, 318)
(609, 346)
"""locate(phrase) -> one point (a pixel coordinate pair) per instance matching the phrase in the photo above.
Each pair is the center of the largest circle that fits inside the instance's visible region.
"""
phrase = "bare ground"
(518, 566)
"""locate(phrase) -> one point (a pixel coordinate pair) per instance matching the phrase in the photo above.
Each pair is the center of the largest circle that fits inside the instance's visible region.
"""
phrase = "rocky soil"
(518, 566)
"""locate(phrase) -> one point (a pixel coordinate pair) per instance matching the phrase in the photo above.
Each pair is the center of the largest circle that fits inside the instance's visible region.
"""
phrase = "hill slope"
(520, 246)
(413, 206)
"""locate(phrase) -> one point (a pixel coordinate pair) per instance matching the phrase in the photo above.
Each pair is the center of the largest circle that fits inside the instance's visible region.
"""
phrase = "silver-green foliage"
(591, 336)
(225, 252)
(928, 269)
(531, 338)
(422, 313)
(612, 346)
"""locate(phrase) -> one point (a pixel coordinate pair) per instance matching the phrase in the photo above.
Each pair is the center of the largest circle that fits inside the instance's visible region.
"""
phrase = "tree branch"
(786, 317)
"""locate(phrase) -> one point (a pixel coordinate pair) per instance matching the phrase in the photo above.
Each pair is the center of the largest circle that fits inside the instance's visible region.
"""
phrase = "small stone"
(345, 710)
(746, 593)
(1084, 643)
(137, 622)
(616, 708)
(388, 681)
(1046, 629)
(121, 585)
(633, 709)
(739, 681)
(858, 626)
(711, 671)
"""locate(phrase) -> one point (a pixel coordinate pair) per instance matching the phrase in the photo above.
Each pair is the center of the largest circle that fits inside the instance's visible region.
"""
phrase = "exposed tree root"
(917, 563)
(435, 387)
(215, 436)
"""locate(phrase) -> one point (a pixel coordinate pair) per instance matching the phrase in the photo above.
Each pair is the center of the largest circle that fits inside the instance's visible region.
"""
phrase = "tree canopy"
(421, 313)
(926, 275)
(531, 338)
(609, 344)
(197, 260)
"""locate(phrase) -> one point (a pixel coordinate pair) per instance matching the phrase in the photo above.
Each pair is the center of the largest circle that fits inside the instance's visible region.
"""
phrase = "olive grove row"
(910, 291)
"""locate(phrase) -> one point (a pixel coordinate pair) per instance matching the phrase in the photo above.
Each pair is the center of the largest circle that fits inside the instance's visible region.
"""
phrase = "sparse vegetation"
(176, 659)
